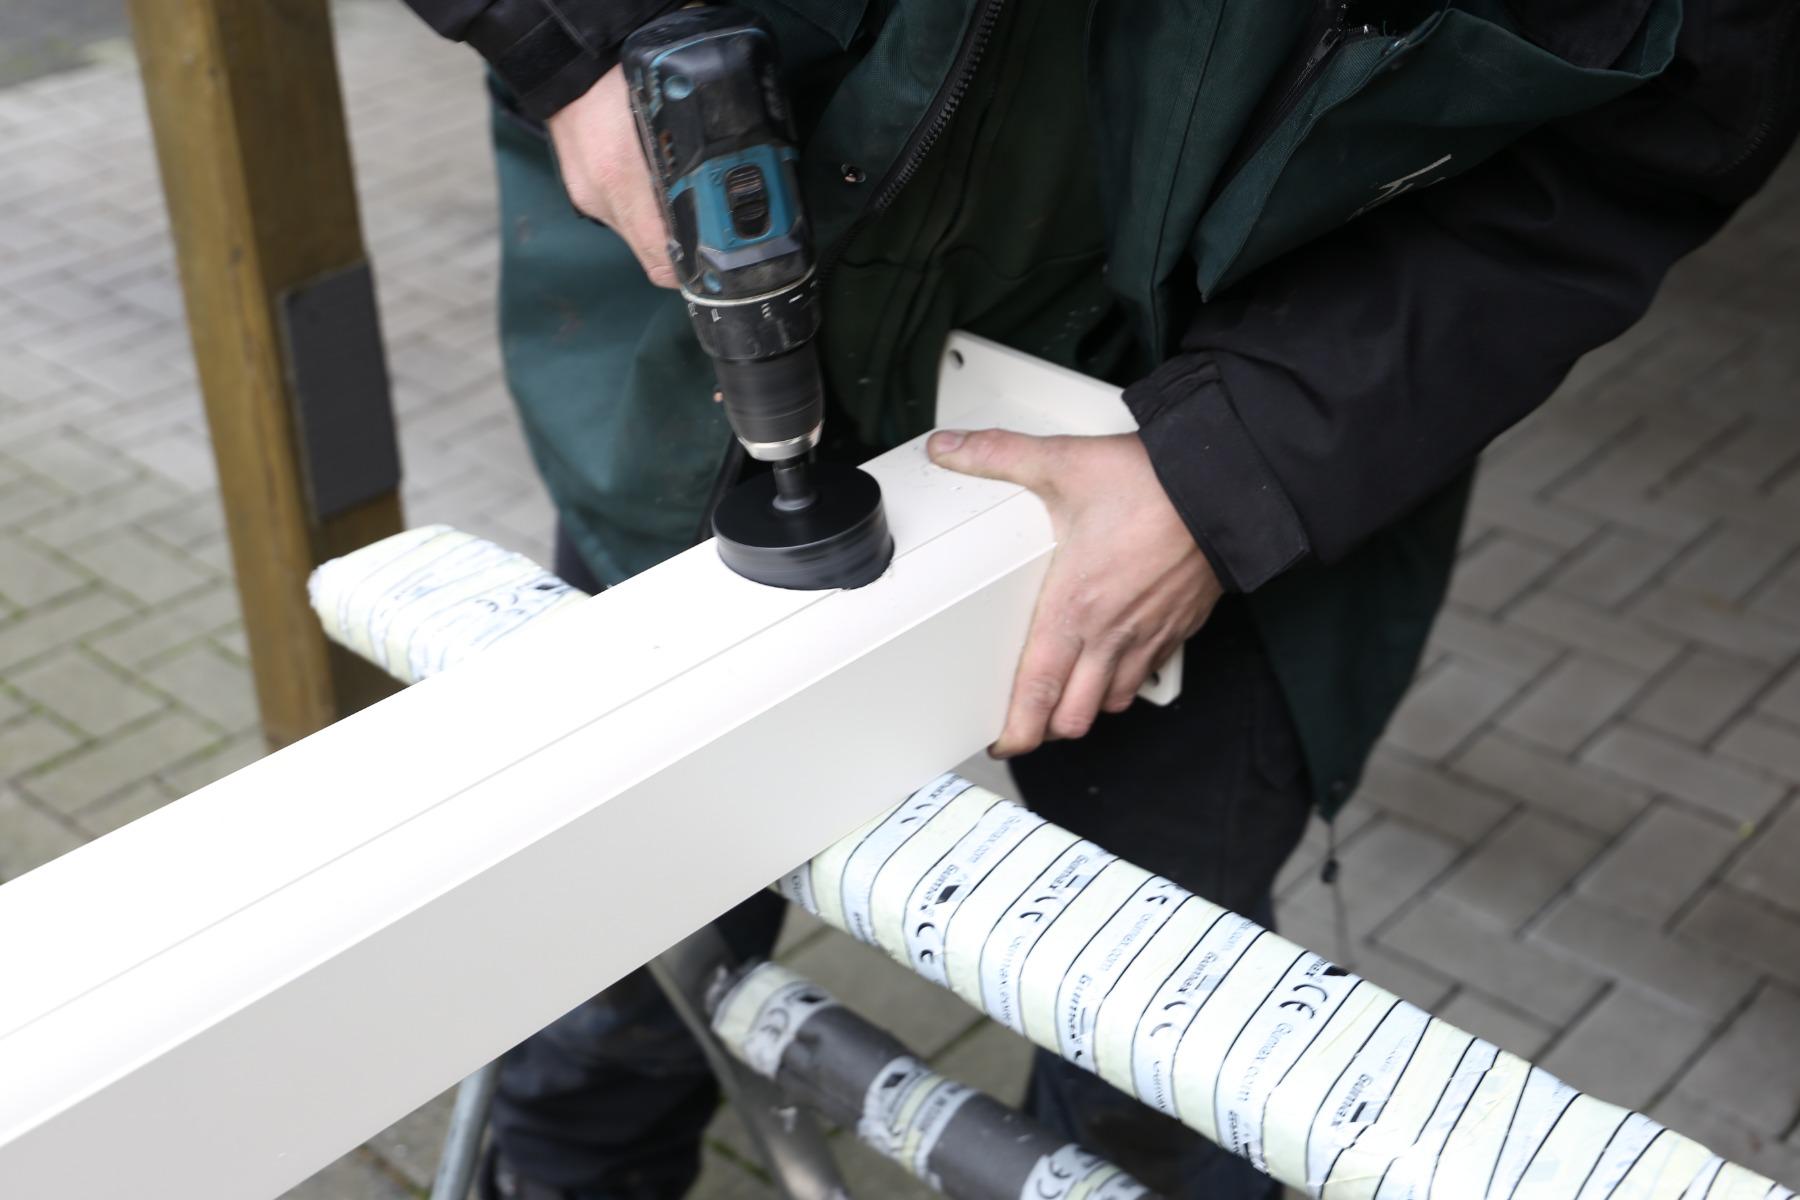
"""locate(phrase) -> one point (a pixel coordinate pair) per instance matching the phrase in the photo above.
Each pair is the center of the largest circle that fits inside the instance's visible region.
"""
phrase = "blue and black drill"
(705, 85)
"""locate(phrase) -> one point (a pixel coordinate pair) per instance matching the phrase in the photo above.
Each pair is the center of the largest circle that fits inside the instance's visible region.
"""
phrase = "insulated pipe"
(1324, 1080)
(957, 1140)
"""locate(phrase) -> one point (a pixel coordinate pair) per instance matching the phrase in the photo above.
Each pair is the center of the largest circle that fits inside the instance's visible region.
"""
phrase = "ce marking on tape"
(1299, 1003)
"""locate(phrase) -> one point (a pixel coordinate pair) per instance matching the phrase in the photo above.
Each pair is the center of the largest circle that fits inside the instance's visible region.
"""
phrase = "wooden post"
(249, 129)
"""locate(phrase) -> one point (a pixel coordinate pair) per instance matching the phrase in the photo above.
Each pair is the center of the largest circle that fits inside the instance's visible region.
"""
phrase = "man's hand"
(602, 162)
(1127, 586)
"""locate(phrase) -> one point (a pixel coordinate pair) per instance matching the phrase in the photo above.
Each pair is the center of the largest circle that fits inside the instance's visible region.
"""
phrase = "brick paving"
(1580, 837)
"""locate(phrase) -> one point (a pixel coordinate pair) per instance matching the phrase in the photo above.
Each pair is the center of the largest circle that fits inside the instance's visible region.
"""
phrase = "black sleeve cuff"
(1215, 476)
(548, 52)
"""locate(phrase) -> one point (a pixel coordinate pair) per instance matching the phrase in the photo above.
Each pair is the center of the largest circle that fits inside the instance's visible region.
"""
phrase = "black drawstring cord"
(1340, 918)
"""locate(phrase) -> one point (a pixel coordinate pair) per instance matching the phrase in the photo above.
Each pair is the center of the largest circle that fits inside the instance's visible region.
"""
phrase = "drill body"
(705, 86)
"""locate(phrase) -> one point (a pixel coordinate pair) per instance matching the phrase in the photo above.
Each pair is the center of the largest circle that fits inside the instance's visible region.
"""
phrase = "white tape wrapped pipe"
(1318, 1077)
(1322, 1079)
(423, 600)
(957, 1140)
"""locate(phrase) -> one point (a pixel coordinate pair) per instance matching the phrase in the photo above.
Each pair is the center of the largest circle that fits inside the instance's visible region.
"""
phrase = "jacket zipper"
(925, 135)
(1268, 118)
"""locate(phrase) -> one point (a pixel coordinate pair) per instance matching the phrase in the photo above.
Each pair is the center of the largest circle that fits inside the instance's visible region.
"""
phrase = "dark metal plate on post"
(348, 451)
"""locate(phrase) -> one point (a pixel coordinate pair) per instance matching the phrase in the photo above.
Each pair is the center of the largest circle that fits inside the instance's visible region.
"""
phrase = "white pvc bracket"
(222, 997)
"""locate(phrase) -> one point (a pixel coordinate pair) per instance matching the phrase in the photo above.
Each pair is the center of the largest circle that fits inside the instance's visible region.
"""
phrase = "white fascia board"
(221, 997)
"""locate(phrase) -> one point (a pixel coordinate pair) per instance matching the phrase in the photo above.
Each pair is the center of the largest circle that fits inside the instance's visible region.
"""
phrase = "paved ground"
(41, 36)
(1579, 839)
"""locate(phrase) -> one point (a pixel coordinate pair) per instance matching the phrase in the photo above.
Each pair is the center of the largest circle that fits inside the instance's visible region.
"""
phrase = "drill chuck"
(775, 405)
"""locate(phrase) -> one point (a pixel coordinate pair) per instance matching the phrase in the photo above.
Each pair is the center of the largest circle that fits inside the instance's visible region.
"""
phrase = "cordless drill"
(705, 87)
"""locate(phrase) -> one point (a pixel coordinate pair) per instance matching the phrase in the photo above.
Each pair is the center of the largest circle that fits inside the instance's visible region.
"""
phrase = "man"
(1332, 249)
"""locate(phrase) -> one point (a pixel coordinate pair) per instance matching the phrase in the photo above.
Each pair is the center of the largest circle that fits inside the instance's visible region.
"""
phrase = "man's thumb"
(991, 454)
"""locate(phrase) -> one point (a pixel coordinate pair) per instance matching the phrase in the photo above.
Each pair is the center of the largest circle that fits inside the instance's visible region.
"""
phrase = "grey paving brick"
(922, 1015)
(1380, 869)
(1718, 625)
(111, 766)
(1507, 1028)
(412, 1145)
(22, 500)
(356, 1176)
(41, 631)
(1621, 496)
(122, 809)
(797, 929)
(1627, 1048)
(29, 743)
(990, 1057)
(235, 642)
(140, 567)
(1588, 796)
(1745, 1073)
(1779, 598)
(1432, 798)
(1538, 455)
(1677, 770)
(1659, 863)
(1497, 571)
(1752, 457)
(1729, 562)
(1773, 746)
(207, 682)
(32, 838)
(1641, 955)
(1439, 932)
(1695, 699)
(1783, 700)
(1770, 868)
(1734, 925)
(70, 460)
(181, 457)
(1723, 1134)
(1614, 566)
(26, 377)
(187, 521)
(1535, 519)
(71, 684)
(1564, 708)
(101, 513)
(10, 705)
(1491, 646)
(217, 763)
(1445, 708)
(723, 1177)
(30, 577)
(1519, 867)
(1573, 623)
(213, 554)
(152, 635)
